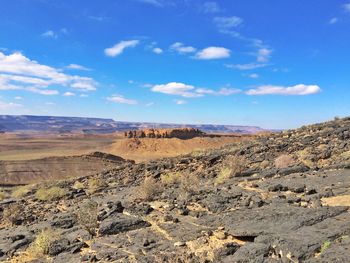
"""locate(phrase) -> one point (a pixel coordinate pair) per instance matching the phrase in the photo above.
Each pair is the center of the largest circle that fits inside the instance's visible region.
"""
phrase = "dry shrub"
(42, 243)
(170, 178)
(87, 217)
(284, 161)
(2, 195)
(78, 185)
(50, 194)
(189, 184)
(149, 188)
(96, 184)
(232, 166)
(22, 191)
(12, 213)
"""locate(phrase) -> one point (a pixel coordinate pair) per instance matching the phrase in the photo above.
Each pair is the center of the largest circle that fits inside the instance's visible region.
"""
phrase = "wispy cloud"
(77, 67)
(18, 72)
(211, 7)
(49, 34)
(182, 49)
(220, 92)
(264, 55)
(213, 53)
(333, 21)
(347, 7)
(157, 50)
(120, 99)
(157, 3)
(253, 76)
(300, 89)
(68, 94)
(9, 105)
(228, 25)
(248, 66)
(180, 102)
(118, 48)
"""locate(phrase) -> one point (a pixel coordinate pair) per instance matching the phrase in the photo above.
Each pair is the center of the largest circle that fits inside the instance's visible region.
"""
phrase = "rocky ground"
(280, 198)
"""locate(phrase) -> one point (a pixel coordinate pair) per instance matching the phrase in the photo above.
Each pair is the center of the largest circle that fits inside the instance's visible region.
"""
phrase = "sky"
(273, 63)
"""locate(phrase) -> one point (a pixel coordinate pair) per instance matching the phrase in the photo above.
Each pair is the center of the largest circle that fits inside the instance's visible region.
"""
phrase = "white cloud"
(77, 67)
(157, 50)
(213, 53)
(122, 100)
(263, 55)
(228, 91)
(253, 76)
(333, 20)
(182, 49)
(300, 89)
(149, 104)
(180, 102)
(68, 94)
(18, 98)
(49, 103)
(8, 105)
(228, 25)
(83, 95)
(118, 48)
(189, 91)
(18, 72)
(248, 66)
(211, 7)
(49, 34)
(347, 7)
(157, 3)
(176, 88)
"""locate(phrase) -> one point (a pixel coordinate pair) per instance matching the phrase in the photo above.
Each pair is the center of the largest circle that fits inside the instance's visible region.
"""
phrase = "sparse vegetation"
(232, 166)
(284, 161)
(50, 194)
(2, 195)
(43, 241)
(12, 213)
(95, 184)
(21, 191)
(149, 188)
(87, 216)
(325, 246)
(78, 185)
(169, 179)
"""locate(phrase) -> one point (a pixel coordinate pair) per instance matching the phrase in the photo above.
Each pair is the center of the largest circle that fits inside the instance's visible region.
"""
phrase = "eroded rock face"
(193, 213)
(180, 133)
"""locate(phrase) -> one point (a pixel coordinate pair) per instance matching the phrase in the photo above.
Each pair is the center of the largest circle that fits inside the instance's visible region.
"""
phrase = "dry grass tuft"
(22, 191)
(50, 194)
(232, 166)
(12, 213)
(96, 184)
(2, 195)
(284, 161)
(43, 242)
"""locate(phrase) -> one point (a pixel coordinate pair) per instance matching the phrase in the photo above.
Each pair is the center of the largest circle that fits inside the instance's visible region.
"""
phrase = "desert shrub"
(78, 185)
(87, 217)
(50, 194)
(12, 213)
(149, 188)
(284, 160)
(325, 246)
(169, 179)
(42, 243)
(21, 191)
(95, 184)
(2, 195)
(189, 184)
(232, 166)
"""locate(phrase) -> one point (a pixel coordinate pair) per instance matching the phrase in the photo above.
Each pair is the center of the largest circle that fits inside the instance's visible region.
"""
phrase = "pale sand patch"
(340, 200)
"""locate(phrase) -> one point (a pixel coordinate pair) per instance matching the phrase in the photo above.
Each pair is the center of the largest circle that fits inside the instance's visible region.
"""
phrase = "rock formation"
(180, 133)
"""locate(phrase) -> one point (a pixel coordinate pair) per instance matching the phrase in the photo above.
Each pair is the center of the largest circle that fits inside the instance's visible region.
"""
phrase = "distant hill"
(29, 123)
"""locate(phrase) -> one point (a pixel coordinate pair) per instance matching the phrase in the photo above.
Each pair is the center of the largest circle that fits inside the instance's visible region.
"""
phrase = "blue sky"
(273, 63)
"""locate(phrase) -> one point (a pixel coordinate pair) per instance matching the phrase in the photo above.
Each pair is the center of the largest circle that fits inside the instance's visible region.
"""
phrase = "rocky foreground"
(281, 198)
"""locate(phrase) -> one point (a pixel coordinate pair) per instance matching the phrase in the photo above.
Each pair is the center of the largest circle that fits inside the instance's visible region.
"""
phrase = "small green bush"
(50, 194)
(2, 195)
(325, 246)
(21, 191)
(95, 184)
(42, 242)
(87, 216)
